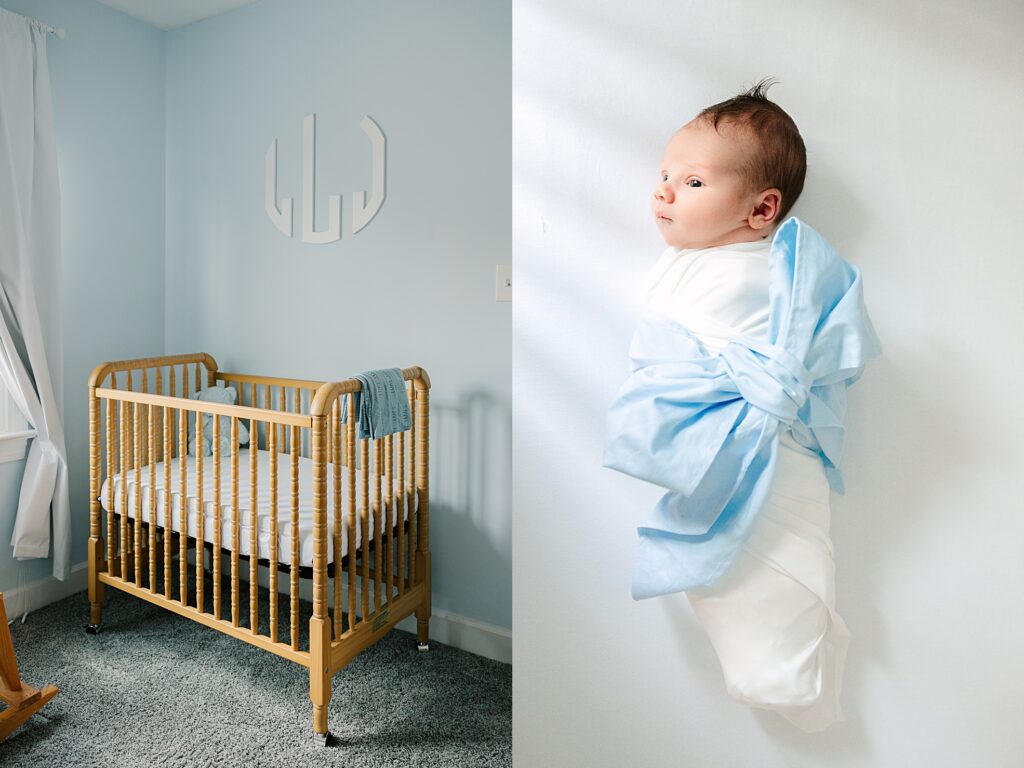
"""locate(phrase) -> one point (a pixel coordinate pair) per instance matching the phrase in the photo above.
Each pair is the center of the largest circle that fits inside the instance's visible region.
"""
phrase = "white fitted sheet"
(284, 503)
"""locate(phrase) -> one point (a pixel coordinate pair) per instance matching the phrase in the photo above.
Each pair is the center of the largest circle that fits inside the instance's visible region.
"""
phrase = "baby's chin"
(684, 244)
(674, 238)
(681, 244)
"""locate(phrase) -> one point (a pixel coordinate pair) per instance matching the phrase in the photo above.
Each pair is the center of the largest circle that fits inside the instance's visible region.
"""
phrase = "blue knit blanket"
(382, 407)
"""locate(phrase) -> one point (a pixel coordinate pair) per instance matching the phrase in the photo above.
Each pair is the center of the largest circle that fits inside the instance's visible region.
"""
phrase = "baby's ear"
(766, 209)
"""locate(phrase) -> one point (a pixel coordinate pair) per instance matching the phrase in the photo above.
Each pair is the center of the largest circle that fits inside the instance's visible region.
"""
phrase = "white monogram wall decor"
(363, 211)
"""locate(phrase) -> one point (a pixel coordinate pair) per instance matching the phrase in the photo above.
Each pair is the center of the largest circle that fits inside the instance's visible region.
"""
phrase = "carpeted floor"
(154, 688)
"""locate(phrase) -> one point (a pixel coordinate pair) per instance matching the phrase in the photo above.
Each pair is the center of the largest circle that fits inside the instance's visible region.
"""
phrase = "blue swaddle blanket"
(381, 407)
(707, 427)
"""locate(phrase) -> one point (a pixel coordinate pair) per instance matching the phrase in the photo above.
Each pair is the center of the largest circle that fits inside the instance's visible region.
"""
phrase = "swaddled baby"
(758, 478)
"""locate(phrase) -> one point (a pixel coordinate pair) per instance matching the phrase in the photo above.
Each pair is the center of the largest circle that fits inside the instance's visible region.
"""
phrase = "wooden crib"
(371, 506)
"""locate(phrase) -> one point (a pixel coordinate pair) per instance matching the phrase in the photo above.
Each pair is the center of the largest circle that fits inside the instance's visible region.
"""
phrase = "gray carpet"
(154, 688)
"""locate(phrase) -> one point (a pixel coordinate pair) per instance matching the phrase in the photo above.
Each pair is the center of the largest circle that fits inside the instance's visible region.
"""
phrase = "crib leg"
(319, 676)
(423, 612)
(95, 587)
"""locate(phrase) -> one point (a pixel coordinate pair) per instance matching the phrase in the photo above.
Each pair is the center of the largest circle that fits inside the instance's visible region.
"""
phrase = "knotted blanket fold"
(706, 426)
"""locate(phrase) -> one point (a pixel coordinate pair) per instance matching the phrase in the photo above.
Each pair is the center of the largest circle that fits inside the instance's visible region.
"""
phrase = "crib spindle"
(199, 387)
(400, 510)
(129, 385)
(201, 511)
(183, 504)
(423, 569)
(125, 501)
(318, 450)
(350, 454)
(234, 522)
(112, 462)
(295, 564)
(151, 550)
(378, 526)
(296, 432)
(364, 512)
(172, 386)
(218, 523)
(272, 450)
(389, 505)
(137, 495)
(159, 389)
(144, 389)
(411, 488)
(283, 403)
(168, 528)
(253, 524)
(335, 443)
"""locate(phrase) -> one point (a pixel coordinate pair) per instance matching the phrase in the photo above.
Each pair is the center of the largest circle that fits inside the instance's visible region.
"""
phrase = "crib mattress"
(264, 511)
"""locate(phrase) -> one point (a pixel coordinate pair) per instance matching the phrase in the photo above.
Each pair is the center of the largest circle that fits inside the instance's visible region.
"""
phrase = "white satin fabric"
(771, 617)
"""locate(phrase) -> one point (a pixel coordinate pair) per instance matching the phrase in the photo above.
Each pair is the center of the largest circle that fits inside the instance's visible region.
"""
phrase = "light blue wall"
(416, 286)
(107, 77)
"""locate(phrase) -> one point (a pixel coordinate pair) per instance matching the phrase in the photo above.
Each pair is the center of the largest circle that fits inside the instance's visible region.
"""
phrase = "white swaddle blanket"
(771, 616)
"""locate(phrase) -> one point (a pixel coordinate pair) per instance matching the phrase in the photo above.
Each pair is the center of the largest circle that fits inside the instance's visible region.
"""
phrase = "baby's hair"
(780, 159)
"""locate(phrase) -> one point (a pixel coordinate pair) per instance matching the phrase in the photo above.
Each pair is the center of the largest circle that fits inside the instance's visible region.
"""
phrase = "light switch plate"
(503, 282)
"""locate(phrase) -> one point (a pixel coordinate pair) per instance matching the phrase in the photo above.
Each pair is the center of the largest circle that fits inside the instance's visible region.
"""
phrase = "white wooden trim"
(12, 445)
(466, 634)
(37, 594)
(14, 430)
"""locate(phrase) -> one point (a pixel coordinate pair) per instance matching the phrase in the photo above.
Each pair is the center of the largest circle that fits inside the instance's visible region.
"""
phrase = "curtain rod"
(58, 31)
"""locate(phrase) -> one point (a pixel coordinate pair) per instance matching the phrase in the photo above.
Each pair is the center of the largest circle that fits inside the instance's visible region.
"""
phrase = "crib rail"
(140, 412)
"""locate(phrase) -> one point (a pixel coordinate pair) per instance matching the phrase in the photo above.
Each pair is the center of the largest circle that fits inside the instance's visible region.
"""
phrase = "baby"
(753, 330)
(730, 173)
(727, 178)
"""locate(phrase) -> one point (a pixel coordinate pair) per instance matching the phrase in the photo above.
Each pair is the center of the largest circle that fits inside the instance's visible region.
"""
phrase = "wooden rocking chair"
(23, 701)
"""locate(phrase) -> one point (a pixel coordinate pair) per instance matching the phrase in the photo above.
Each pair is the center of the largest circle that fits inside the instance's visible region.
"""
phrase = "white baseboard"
(466, 635)
(37, 594)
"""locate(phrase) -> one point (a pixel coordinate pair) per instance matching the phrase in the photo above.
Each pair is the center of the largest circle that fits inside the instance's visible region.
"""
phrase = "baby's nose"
(663, 193)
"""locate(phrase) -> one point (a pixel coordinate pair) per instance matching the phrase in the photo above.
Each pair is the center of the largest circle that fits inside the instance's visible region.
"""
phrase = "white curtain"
(30, 286)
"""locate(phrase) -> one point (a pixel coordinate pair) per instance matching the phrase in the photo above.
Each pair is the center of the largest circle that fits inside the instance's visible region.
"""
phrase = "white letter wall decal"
(282, 218)
(333, 231)
(363, 211)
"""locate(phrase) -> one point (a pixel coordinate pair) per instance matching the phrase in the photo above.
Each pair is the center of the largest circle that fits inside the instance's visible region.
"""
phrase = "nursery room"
(910, 114)
(255, 465)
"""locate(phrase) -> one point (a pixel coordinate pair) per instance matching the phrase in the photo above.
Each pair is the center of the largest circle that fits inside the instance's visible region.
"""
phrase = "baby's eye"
(664, 177)
(694, 183)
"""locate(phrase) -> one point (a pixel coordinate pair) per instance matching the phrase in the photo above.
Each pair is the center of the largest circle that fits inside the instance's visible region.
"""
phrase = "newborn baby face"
(702, 200)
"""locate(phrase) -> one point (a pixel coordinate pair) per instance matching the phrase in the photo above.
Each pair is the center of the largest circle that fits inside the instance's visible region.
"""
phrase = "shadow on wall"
(471, 505)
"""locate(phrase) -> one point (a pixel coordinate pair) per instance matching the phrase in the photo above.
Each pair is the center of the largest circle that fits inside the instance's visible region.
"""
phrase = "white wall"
(911, 113)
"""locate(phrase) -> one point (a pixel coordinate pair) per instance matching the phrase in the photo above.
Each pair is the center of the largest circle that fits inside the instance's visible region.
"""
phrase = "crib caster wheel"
(422, 646)
(320, 739)
(92, 629)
